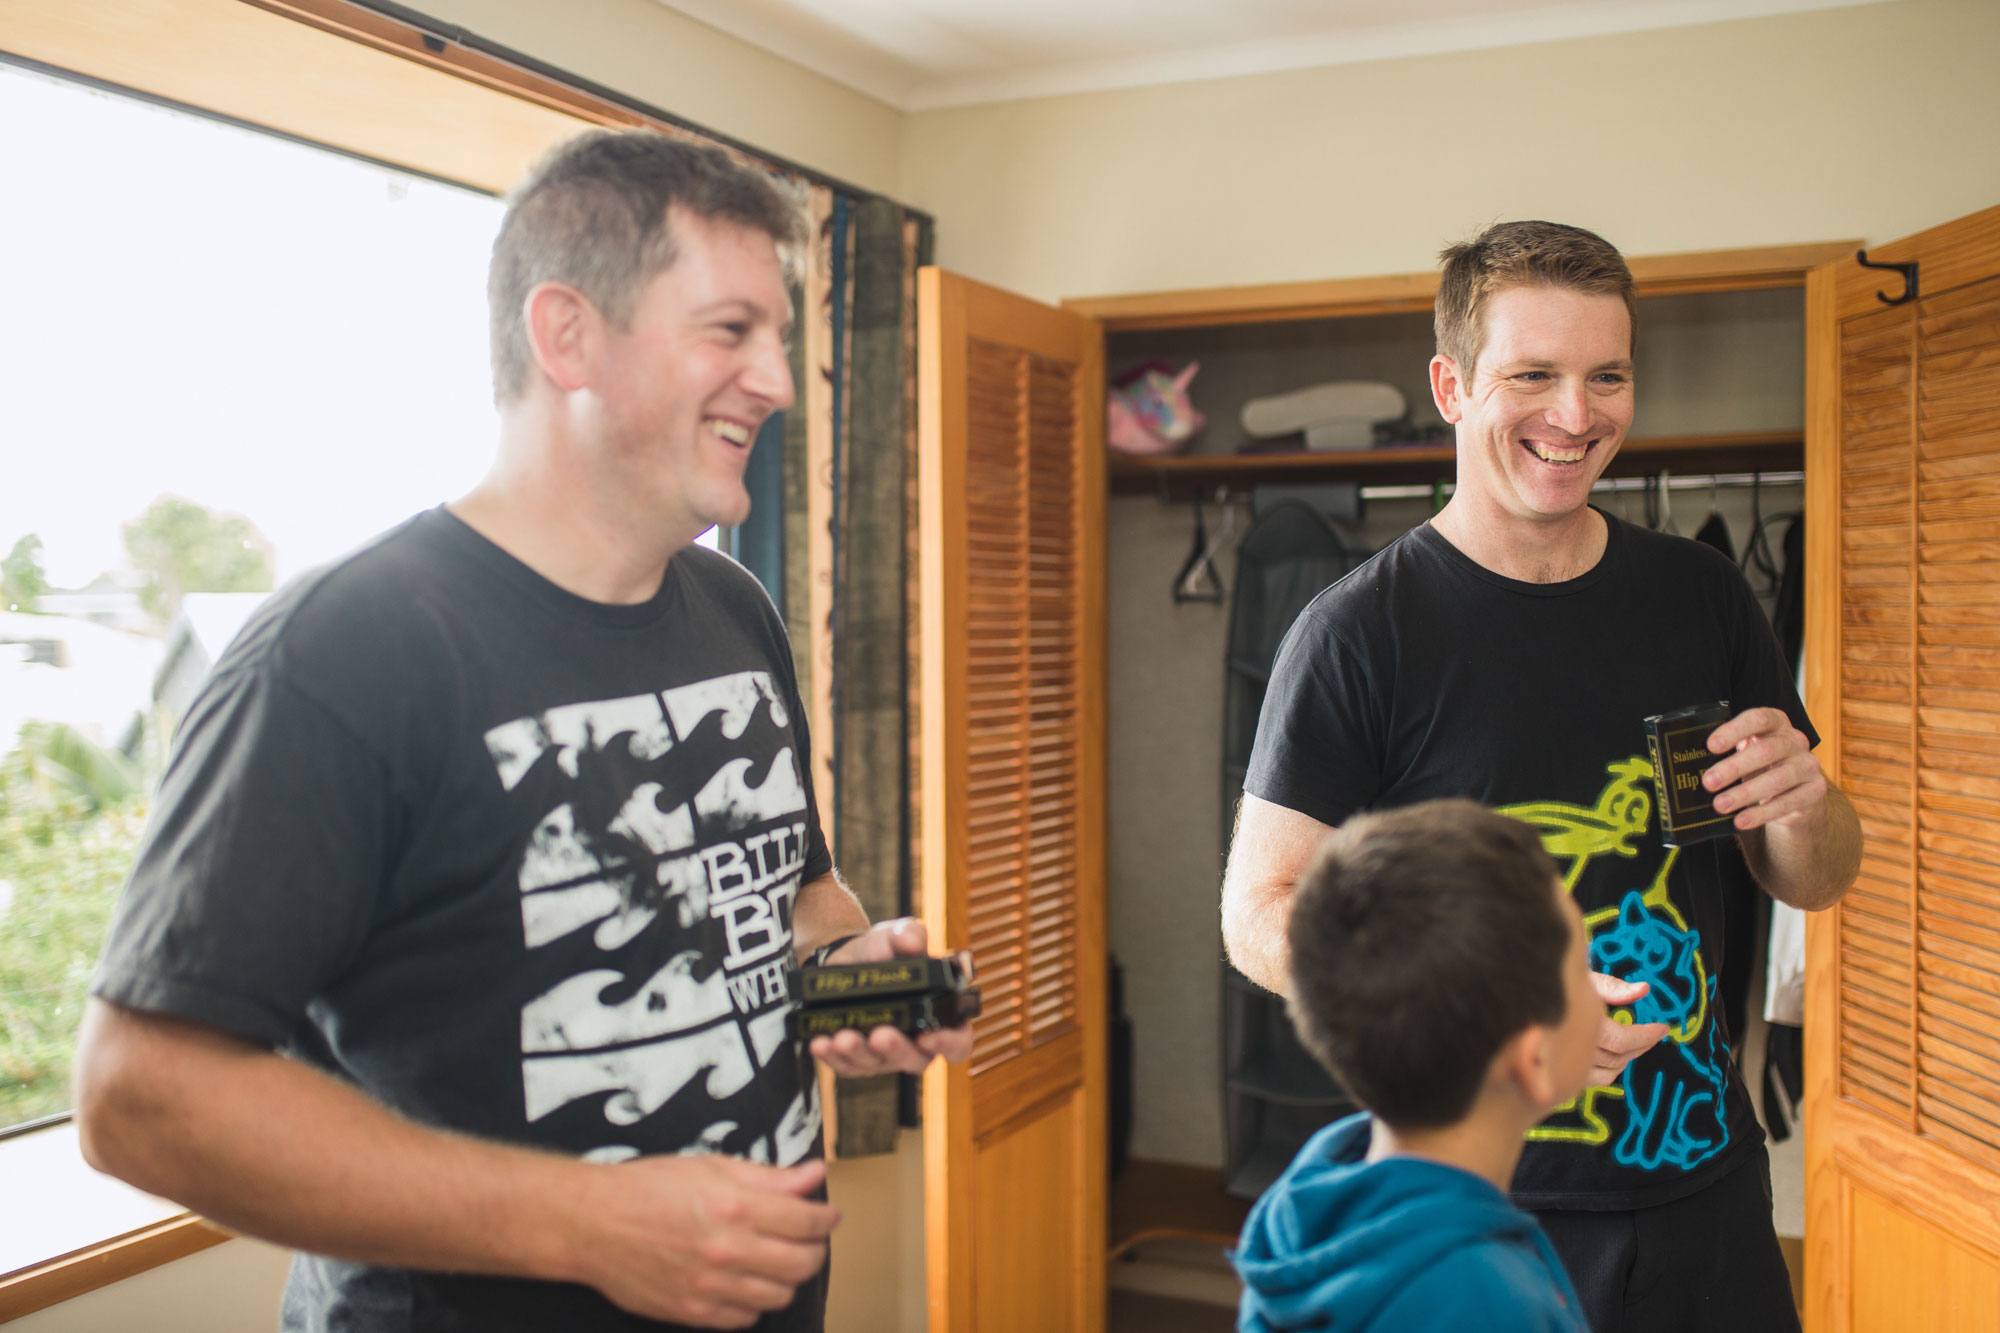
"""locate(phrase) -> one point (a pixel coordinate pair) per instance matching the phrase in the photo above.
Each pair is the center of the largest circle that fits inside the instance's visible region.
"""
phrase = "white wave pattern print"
(733, 853)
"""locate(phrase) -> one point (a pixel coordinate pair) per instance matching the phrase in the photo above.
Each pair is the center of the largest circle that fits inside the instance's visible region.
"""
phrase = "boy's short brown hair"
(1421, 940)
(1521, 254)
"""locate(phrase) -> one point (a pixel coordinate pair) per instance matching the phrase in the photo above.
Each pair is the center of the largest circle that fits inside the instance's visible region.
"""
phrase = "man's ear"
(563, 328)
(1446, 387)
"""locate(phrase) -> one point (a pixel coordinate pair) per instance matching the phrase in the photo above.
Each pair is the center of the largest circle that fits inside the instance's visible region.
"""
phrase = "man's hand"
(885, 1050)
(1799, 833)
(1769, 775)
(1619, 1044)
(709, 1241)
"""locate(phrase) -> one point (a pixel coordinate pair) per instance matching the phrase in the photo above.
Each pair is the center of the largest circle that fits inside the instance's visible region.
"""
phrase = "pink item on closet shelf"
(1148, 412)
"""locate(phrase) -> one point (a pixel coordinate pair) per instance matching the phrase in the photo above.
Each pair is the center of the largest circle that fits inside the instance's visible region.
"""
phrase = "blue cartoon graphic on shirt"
(1666, 1125)
(1674, 1108)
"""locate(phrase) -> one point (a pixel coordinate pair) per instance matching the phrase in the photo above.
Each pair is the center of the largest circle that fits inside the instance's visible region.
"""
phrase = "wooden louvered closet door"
(1011, 485)
(1903, 1041)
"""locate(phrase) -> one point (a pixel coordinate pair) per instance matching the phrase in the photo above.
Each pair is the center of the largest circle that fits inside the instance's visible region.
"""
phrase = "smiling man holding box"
(1509, 651)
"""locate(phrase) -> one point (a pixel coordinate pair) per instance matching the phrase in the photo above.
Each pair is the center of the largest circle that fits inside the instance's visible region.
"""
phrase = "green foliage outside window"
(22, 581)
(182, 548)
(70, 818)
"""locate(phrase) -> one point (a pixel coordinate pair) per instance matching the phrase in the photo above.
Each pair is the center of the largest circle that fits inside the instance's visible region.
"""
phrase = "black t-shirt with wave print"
(1423, 674)
(515, 863)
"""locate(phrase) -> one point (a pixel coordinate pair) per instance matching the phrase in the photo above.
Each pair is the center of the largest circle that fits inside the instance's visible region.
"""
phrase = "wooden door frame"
(1813, 267)
(1753, 268)
(1824, 1281)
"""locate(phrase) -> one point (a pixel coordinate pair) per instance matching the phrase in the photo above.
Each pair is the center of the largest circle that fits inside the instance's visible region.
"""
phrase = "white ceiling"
(917, 54)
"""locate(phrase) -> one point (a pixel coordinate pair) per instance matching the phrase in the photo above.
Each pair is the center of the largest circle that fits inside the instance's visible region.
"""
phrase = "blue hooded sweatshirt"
(1402, 1245)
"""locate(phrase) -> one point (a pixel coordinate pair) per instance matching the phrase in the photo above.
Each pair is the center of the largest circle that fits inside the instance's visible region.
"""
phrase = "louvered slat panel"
(1021, 700)
(1051, 671)
(1958, 714)
(995, 494)
(1877, 669)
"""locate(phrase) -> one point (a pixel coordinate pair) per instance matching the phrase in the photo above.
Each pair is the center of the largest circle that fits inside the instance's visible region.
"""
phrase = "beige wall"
(1869, 122)
(645, 50)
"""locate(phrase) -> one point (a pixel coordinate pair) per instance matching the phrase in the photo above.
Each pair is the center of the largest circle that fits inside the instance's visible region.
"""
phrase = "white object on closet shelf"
(1340, 414)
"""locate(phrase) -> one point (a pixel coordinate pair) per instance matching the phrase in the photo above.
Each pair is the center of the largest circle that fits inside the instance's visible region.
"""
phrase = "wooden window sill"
(72, 1230)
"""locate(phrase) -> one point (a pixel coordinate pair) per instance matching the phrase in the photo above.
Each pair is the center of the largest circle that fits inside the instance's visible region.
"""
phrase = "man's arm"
(274, 1148)
(1799, 832)
(825, 911)
(1269, 851)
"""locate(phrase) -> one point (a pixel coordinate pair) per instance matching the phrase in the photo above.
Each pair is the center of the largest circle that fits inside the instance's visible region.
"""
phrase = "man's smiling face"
(1549, 401)
(701, 366)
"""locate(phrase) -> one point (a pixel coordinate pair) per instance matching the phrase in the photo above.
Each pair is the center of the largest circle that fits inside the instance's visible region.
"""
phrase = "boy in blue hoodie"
(1441, 973)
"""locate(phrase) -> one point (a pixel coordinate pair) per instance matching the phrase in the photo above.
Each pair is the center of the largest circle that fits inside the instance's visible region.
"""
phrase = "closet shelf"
(1183, 476)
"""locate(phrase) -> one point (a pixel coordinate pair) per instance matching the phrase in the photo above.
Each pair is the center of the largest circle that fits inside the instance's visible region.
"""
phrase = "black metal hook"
(1909, 272)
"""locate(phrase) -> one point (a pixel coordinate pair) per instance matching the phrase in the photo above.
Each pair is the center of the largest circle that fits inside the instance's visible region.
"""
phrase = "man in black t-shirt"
(1508, 651)
(456, 953)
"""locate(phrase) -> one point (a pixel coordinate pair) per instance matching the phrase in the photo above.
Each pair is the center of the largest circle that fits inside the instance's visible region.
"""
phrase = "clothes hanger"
(1757, 558)
(1714, 530)
(1198, 580)
(1649, 501)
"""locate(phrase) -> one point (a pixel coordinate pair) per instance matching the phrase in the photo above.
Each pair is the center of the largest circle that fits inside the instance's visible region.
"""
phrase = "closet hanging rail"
(1179, 476)
(1728, 481)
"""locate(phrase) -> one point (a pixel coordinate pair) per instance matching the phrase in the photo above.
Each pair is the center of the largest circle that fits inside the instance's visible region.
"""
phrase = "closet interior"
(1211, 549)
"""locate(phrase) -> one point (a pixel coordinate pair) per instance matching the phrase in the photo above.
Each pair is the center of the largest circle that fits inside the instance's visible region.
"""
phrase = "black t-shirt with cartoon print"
(513, 862)
(1422, 674)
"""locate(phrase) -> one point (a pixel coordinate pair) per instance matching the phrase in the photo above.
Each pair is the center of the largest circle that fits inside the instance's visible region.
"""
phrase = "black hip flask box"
(1678, 743)
(915, 995)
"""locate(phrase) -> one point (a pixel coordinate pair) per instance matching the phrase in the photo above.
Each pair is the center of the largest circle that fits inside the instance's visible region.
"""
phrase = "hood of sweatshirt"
(1342, 1236)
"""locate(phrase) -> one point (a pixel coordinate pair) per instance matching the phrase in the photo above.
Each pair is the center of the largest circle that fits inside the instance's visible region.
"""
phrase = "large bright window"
(229, 357)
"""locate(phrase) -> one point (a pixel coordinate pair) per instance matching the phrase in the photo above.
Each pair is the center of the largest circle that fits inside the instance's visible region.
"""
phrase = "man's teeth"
(729, 430)
(1550, 453)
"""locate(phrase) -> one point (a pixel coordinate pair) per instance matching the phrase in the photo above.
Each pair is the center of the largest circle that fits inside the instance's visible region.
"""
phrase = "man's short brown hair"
(592, 213)
(1522, 254)
(1422, 939)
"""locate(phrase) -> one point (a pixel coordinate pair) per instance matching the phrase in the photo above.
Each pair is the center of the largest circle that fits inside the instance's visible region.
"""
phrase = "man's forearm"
(1267, 853)
(267, 1146)
(1809, 865)
(825, 911)
(1253, 932)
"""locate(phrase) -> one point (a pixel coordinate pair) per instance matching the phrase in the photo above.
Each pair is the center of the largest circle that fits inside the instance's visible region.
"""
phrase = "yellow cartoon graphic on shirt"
(1673, 1113)
(1623, 812)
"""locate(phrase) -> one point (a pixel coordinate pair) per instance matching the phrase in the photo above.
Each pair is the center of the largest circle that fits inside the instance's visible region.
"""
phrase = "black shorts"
(1708, 1263)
